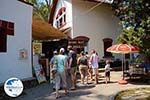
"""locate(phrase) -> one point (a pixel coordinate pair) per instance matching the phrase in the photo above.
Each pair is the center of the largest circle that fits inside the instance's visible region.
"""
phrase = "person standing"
(89, 65)
(72, 63)
(83, 67)
(107, 71)
(94, 64)
(53, 69)
(61, 66)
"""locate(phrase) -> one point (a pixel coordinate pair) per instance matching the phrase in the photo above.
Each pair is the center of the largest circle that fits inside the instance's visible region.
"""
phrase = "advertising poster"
(37, 48)
(39, 72)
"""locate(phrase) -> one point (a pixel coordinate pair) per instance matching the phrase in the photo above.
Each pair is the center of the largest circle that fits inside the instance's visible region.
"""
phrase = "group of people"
(64, 64)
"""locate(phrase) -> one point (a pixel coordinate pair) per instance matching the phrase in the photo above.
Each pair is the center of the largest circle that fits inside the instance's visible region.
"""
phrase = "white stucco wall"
(96, 24)
(69, 18)
(10, 64)
(68, 5)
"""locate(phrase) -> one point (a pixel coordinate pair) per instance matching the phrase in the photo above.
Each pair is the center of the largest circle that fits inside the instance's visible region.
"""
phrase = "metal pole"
(123, 66)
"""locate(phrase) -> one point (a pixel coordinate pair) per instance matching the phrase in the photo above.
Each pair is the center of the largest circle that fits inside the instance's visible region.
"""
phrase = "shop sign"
(37, 48)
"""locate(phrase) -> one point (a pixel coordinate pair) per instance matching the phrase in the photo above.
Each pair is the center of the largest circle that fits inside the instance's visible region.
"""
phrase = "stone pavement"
(100, 91)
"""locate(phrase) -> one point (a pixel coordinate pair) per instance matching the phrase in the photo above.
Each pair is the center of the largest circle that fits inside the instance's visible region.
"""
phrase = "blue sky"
(43, 0)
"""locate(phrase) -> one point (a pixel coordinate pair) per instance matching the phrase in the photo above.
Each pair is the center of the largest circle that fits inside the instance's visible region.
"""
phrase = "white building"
(15, 47)
(90, 24)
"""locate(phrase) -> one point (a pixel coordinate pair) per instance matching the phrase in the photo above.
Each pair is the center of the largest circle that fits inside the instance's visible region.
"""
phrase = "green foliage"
(131, 36)
(134, 17)
(44, 11)
(41, 9)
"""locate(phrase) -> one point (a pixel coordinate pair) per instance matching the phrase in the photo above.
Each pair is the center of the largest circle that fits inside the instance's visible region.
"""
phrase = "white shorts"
(95, 71)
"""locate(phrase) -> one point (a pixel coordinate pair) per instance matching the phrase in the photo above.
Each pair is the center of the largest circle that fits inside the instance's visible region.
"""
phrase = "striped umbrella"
(123, 49)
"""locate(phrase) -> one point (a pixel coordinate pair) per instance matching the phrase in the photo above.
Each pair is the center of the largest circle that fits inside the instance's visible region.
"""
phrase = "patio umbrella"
(123, 49)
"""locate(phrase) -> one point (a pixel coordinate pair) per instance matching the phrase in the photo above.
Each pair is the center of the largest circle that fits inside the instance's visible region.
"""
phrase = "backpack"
(83, 60)
(74, 60)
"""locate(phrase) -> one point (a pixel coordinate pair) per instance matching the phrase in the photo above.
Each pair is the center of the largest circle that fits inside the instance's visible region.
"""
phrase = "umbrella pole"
(122, 66)
(122, 81)
(125, 68)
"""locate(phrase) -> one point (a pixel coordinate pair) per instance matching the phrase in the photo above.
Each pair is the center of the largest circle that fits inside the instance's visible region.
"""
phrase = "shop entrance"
(79, 43)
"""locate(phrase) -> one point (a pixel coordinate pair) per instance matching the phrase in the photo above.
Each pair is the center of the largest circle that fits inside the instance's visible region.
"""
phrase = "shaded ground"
(101, 91)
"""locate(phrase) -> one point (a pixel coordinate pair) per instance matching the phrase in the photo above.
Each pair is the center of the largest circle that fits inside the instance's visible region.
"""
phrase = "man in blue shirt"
(61, 66)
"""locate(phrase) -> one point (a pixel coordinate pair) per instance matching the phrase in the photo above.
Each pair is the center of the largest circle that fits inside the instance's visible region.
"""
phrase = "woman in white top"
(94, 64)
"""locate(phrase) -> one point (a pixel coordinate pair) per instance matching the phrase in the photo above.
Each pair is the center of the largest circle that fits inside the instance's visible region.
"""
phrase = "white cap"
(55, 52)
(62, 50)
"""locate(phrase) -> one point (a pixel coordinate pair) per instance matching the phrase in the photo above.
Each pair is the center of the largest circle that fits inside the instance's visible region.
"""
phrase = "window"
(3, 41)
(61, 17)
(6, 28)
(107, 43)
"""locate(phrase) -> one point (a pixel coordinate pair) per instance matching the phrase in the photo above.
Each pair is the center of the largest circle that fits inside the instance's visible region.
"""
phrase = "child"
(107, 71)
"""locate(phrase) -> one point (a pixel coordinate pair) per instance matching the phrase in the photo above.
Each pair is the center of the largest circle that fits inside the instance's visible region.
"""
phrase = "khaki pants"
(83, 69)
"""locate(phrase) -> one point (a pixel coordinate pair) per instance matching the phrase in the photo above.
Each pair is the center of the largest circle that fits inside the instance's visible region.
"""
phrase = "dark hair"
(82, 53)
(93, 51)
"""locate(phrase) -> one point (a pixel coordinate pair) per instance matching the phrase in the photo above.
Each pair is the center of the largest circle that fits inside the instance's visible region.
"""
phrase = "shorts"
(95, 71)
(83, 69)
(73, 70)
(107, 74)
(58, 78)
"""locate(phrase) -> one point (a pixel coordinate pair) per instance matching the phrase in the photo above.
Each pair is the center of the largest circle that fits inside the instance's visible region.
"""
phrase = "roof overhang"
(42, 30)
(24, 1)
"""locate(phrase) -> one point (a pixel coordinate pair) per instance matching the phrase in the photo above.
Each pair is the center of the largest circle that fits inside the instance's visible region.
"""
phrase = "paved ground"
(101, 91)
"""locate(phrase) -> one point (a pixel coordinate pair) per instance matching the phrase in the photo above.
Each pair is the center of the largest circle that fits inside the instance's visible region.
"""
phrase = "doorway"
(107, 43)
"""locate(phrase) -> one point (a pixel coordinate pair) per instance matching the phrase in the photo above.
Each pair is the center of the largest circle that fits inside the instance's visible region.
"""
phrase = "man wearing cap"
(61, 66)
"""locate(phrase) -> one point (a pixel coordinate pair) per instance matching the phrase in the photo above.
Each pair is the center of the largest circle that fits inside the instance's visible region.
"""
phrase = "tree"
(134, 17)
(41, 8)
